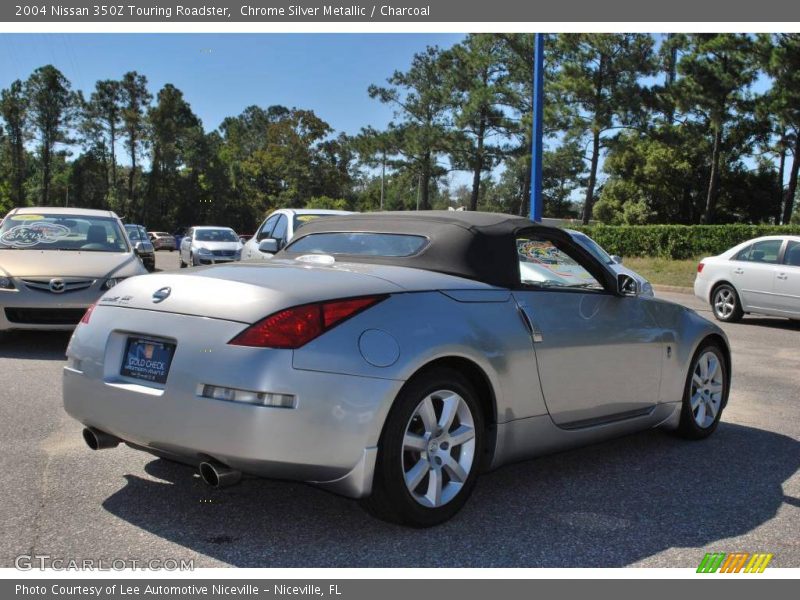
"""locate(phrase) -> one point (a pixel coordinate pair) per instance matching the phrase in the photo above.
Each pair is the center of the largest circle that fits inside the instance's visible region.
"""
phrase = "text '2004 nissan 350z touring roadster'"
(391, 357)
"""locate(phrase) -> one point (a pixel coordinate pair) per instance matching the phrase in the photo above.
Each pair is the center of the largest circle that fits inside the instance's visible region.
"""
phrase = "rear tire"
(429, 452)
(725, 304)
(705, 393)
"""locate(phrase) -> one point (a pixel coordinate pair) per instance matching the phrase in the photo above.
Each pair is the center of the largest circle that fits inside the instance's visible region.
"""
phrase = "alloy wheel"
(438, 451)
(706, 389)
(724, 302)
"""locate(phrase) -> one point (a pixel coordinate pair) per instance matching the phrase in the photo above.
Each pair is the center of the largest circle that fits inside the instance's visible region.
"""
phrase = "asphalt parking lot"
(644, 500)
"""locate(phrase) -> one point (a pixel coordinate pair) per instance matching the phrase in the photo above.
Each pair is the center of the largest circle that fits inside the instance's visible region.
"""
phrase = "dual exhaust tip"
(212, 472)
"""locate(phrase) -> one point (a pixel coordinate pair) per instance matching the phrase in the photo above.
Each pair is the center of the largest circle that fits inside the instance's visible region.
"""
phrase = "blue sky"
(221, 74)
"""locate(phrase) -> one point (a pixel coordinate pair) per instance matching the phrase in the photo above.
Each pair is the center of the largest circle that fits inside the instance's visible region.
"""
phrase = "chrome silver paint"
(543, 397)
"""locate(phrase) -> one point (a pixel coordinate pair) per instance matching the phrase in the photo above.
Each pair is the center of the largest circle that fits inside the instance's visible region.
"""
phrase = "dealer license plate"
(146, 359)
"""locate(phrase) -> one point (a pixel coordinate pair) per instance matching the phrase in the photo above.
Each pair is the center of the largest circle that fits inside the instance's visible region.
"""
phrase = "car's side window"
(279, 233)
(792, 255)
(266, 228)
(762, 252)
(542, 264)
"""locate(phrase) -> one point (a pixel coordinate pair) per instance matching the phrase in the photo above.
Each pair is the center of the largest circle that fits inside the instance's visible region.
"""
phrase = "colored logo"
(162, 294)
(736, 562)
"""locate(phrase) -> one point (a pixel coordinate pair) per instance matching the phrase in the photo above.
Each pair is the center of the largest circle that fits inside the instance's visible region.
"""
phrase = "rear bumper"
(329, 438)
(702, 289)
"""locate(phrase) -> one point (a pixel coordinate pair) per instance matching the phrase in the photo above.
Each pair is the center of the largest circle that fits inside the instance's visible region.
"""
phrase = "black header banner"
(401, 11)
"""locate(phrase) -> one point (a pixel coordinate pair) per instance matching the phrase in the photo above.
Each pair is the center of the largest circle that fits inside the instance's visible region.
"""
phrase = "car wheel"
(429, 453)
(725, 304)
(705, 393)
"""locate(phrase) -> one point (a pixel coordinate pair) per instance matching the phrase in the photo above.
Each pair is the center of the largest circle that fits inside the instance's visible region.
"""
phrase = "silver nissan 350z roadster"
(391, 357)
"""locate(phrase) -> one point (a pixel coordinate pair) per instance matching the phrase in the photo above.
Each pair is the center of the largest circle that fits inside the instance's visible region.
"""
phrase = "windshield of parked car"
(359, 244)
(135, 233)
(215, 235)
(42, 231)
(160, 234)
(594, 248)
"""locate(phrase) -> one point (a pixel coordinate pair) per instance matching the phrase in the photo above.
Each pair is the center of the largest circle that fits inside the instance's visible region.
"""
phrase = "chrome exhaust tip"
(99, 440)
(217, 475)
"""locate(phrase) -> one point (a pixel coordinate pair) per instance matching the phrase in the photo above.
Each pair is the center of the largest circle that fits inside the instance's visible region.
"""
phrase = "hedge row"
(678, 241)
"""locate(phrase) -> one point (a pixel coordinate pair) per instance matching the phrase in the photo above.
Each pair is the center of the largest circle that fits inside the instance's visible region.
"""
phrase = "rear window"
(359, 244)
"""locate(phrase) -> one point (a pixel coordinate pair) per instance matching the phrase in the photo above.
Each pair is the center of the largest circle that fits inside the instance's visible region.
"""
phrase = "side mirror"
(268, 246)
(616, 258)
(138, 248)
(627, 285)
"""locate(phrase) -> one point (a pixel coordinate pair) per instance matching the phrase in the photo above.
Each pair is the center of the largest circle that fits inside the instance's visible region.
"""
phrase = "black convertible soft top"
(476, 245)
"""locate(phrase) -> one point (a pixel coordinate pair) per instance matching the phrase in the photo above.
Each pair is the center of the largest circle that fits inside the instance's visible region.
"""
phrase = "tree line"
(639, 128)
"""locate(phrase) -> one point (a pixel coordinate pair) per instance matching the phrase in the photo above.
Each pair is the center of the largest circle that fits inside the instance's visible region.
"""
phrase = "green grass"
(663, 271)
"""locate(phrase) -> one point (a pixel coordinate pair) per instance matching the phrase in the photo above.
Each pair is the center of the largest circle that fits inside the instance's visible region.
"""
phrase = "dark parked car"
(142, 246)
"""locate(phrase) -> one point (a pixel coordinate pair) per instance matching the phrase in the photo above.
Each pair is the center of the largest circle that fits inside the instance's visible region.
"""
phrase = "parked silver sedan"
(392, 357)
(209, 245)
(162, 240)
(759, 276)
(55, 262)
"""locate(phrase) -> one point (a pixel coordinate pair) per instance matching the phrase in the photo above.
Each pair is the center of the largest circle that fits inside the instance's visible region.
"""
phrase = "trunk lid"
(243, 292)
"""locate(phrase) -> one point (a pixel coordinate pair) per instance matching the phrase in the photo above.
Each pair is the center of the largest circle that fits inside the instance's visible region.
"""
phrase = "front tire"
(705, 393)
(429, 452)
(725, 304)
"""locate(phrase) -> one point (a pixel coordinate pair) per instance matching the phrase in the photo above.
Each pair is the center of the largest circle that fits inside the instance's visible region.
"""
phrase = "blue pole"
(536, 142)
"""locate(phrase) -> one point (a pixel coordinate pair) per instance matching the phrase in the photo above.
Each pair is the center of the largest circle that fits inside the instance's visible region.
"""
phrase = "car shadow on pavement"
(34, 345)
(773, 322)
(608, 505)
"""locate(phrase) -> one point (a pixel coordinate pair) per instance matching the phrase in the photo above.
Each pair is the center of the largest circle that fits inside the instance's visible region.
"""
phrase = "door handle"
(783, 276)
(738, 271)
(535, 334)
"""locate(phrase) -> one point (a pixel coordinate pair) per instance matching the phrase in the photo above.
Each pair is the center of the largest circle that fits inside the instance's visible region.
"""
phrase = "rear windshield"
(215, 235)
(359, 244)
(62, 232)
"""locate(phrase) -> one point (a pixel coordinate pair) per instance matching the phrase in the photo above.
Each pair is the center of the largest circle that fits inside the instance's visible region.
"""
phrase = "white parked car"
(758, 276)
(279, 227)
(209, 245)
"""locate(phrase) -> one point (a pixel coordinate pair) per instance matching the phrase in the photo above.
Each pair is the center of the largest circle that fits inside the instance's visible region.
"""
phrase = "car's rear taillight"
(88, 314)
(294, 327)
(700, 267)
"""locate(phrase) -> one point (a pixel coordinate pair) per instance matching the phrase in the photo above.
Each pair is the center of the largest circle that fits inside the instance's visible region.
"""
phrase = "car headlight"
(6, 283)
(647, 289)
(204, 251)
(110, 283)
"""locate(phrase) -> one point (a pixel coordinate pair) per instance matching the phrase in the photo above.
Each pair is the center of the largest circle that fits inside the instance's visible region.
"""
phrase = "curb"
(677, 289)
